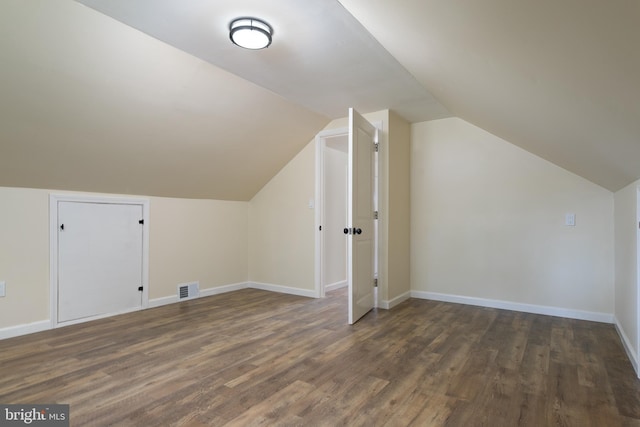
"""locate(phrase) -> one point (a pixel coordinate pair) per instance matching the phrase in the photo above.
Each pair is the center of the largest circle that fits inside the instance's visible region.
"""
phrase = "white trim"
(633, 357)
(310, 293)
(319, 205)
(515, 306)
(43, 325)
(53, 248)
(336, 285)
(96, 317)
(389, 304)
(158, 302)
(637, 349)
(27, 328)
(223, 289)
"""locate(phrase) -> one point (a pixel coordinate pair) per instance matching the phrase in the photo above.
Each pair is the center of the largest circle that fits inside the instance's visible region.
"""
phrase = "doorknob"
(346, 231)
(358, 230)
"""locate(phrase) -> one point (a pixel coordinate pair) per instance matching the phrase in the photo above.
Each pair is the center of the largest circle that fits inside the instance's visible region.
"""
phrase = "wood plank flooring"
(258, 358)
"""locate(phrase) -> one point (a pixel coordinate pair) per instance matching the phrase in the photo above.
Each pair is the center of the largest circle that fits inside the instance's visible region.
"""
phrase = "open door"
(360, 215)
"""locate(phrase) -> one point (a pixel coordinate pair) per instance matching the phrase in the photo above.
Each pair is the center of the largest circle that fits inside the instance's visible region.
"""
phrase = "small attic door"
(99, 258)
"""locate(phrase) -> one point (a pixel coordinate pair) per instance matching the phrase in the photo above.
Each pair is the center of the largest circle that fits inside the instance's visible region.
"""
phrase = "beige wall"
(487, 221)
(196, 240)
(626, 287)
(398, 209)
(24, 255)
(281, 226)
(203, 240)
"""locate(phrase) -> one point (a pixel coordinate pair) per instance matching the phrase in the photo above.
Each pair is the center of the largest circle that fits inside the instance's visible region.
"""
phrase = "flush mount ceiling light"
(250, 33)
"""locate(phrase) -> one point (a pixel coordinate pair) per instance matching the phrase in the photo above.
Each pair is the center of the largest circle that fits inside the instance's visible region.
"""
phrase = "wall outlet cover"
(570, 219)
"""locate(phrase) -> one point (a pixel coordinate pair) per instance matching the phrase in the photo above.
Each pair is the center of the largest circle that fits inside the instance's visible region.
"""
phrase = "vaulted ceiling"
(561, 79)
(150, 97)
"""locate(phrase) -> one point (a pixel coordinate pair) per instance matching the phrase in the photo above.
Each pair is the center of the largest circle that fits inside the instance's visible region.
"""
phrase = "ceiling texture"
(150, 97)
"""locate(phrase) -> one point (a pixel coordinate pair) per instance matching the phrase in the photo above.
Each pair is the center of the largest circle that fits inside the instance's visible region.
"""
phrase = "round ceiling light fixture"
(250, 33)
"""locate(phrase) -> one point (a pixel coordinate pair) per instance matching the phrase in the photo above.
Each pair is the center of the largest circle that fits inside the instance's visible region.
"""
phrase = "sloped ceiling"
(90, 103)
(561, 79)
(154, 100)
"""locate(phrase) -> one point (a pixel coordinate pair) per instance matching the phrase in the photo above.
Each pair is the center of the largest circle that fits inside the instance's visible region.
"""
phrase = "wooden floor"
(258, 358)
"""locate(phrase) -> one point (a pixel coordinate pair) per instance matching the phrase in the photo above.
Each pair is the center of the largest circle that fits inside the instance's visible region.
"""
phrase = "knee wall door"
(100, 259)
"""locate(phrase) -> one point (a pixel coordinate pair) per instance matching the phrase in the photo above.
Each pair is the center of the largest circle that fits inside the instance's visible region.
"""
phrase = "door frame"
(320, 202)
(319, 205)
(54, 199)
(637, 226)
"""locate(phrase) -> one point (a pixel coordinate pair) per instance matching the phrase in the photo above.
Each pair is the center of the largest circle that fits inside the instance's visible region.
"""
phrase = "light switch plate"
(570, 219)
(2, 289)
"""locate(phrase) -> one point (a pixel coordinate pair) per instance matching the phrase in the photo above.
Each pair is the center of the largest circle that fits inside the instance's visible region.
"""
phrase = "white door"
(100, 248)
(360, 210)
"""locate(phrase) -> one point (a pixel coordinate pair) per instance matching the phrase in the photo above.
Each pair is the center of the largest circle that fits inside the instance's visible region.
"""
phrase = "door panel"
(360, 241)
(99, 259)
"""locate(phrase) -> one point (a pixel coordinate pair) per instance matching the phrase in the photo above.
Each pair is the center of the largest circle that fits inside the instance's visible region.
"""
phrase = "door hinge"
(375, 214)
(140, 288)
(141, 222)
(375, 283)
(376, 147)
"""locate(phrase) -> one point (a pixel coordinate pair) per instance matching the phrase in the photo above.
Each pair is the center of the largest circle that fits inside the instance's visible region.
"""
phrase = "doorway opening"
(331, 210)
(332, 214)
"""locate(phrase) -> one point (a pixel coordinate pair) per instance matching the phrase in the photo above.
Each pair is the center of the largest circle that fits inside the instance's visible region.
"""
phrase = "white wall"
(203, 240)
(626, 284)
(487, 222)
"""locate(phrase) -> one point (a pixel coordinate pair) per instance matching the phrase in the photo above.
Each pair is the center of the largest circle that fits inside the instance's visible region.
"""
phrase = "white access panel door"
(360, 207)
(100, 251)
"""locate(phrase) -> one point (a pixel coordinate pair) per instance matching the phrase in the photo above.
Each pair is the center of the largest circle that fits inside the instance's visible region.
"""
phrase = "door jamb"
(53, 248)
(637, 349)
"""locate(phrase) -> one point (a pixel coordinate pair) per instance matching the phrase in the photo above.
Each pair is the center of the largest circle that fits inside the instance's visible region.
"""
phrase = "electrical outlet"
(2, 289)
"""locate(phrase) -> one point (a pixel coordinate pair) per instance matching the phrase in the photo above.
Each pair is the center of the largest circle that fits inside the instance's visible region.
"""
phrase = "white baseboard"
(29, 328)
(631, 353)
(336, 285)
(97, 317)
(223, 289)
(43, 325)
(389, 304)
(515, 306)
(284, 289)
(157, 302)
